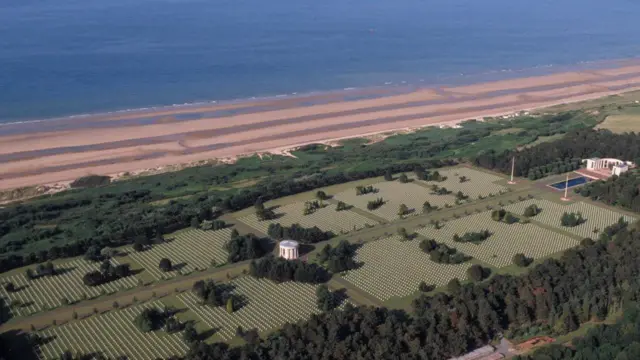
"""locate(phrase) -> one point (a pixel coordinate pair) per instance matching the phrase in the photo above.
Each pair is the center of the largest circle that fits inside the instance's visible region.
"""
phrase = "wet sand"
(60, 150)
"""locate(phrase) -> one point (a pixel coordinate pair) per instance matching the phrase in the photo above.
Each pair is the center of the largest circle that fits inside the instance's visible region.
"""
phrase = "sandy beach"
(61, 150)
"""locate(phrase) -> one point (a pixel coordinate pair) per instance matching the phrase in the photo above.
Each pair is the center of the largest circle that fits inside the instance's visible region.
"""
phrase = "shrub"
(521, 260)
(532, 210)
(478, 273)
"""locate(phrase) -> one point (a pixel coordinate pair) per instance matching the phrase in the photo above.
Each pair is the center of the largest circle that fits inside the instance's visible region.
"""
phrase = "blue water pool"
(572, 182)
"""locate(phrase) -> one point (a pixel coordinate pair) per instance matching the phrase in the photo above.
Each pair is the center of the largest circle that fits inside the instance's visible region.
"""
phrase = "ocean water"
(65, 57)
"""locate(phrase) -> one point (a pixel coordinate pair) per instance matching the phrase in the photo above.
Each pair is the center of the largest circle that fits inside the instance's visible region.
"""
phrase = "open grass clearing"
(188, 250)
(326, 218)
(395, 268)
(48, 292)
(506, 240)
(597, 218)
(621, 123)
(113, 335)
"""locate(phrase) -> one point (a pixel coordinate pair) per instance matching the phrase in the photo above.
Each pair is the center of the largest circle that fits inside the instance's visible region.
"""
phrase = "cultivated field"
(268, 306)
(622, 123)
(395, 193)
(326, 218)
(113, 335)
(506, 240)
(477, 183)
(597, 217)
(188, 250)
(47, 292)
(392, 267)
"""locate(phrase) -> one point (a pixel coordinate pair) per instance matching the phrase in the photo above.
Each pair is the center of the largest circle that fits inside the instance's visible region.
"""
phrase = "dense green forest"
(623, 191)
(563, 155)
(587, 283)
(620, 341)
(69, 223)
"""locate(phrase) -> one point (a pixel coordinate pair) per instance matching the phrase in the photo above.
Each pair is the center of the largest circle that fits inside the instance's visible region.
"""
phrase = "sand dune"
(32, 155)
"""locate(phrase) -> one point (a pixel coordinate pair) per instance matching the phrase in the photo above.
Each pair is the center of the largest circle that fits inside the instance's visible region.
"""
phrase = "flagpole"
(566, 189)
(513, 168)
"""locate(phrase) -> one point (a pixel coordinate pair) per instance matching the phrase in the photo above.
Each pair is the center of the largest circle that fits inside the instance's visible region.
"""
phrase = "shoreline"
(56, 157)
(443, 81)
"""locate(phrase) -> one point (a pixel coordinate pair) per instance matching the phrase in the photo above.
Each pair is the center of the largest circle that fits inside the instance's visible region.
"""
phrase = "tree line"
(280, 270)
(563, 155)
(299, 233)
(587, 283)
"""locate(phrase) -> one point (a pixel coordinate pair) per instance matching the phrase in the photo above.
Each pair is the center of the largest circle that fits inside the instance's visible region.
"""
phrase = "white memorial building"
(615, 166)
(289, 249)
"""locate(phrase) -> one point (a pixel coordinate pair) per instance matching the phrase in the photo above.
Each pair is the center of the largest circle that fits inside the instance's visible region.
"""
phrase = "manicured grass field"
(391, 267)
(188, 250)
(113, 335)
(597, 218)
(47, 292)
(395, 193)
(477, 182)
(268, 306)
(326, 218)
(506, 240)
(622, 123)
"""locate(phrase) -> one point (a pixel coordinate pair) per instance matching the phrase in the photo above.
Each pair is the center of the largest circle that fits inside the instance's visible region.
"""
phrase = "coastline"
(222, 132)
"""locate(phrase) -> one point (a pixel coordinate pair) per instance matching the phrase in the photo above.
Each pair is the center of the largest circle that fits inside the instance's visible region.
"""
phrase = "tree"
(93, 253)
(586, 242)
(325, 298)
(403, 178)
(321, 195)
(149, 319)
(403, 210)
(190, 335)
(477, 272)
(463, 179)
(531, 210)
(138, 247)
(521, 260)
(234, 233)
(10, 287)
(423, 287)
(341, 206)
(388, 176)
(165, 264)
(404, 235)
(195, 223)
(115, 305)
(375, 204)
(426, 207)
(454, 286)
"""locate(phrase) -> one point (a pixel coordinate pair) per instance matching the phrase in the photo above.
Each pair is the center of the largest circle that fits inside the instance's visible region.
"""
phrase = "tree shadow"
(240, 301)
(135, 272)
(62, 271)
(179, 266)
(305, 249)
(19, 345)
(5, 311)
(25, 305)
(22, 287)
(203, 336)
(267, 245)
(277, 216)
